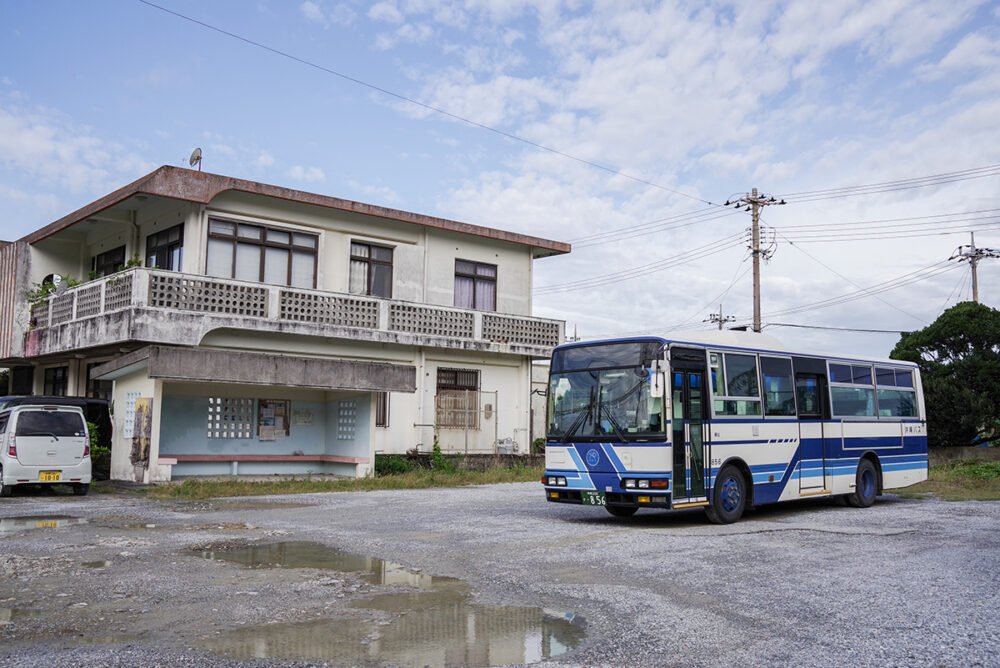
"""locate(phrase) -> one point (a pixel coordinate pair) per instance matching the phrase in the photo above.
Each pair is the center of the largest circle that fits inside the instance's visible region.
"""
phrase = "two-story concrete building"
(243, 328)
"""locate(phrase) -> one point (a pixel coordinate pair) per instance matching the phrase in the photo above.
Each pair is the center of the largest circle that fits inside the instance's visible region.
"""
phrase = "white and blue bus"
(726, 420)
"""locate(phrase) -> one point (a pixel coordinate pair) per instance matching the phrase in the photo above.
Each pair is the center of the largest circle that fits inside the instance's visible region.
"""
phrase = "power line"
(700, 252)
(838, 329)
(830, 269)
(892, 186)
(423, 105)
(659, 225)
(923, 231)
(873, 291)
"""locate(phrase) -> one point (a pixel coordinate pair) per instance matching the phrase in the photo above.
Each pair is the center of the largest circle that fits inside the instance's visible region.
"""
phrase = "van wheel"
(80, 489)
(5, 490)
(865, 485)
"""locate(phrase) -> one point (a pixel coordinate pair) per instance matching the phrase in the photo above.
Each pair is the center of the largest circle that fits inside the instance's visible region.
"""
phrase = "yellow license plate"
(48, 476)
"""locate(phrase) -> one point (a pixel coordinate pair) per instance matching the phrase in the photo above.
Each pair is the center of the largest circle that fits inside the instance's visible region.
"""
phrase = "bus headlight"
(643, 484)
(557, 481)
(629, 484)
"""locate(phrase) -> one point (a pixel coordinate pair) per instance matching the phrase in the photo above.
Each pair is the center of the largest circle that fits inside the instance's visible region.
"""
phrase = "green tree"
(959, 358)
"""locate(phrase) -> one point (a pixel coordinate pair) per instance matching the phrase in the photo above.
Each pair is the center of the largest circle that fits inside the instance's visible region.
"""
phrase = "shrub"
(538, 446)
(393, 465)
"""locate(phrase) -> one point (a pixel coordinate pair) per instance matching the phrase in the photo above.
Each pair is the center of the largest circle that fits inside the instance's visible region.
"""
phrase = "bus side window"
(779, 392)
(807, 391)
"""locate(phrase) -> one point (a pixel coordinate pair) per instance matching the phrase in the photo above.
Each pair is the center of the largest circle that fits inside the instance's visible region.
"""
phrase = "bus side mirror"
(656, 386)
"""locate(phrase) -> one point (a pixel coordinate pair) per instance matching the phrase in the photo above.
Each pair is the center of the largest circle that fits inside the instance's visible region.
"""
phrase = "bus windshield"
(599, 404)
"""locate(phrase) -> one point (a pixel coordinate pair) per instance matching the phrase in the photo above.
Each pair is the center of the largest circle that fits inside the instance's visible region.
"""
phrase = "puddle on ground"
(436, 625)
(13, 524)
(96, 564)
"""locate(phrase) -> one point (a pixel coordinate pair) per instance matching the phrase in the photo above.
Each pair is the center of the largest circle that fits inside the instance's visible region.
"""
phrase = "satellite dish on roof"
(195, 158)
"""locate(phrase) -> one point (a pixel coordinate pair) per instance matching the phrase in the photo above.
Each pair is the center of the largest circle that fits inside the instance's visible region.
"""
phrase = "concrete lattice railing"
(149, 288)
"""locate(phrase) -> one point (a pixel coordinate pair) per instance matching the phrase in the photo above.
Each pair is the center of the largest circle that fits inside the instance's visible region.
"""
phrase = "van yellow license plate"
(48, 476)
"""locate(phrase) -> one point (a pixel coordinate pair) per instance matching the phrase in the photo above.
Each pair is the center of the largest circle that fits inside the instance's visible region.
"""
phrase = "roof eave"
(202, 187)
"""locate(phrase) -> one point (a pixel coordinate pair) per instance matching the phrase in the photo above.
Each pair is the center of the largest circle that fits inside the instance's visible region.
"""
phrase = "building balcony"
(154, 306)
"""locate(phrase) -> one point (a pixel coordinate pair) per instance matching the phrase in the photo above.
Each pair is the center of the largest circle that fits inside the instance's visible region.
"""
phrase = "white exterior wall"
(411, 416)
(121, 441)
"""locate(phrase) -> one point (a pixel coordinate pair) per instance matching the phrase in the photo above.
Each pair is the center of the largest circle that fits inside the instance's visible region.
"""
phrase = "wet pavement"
(490, 576)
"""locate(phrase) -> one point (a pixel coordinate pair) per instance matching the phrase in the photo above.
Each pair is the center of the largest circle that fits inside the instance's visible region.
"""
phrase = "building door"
(689, 446)
(812, 460)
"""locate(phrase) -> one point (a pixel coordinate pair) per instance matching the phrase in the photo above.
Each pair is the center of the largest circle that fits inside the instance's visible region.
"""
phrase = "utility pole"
(973, 255)
(717, 317)
(754, 202)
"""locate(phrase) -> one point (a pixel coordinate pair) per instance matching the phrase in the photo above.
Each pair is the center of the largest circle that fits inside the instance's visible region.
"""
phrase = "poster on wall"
(272, 419)
(142, 432)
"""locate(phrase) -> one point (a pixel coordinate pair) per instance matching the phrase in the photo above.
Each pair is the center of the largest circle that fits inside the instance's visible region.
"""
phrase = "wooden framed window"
(165, 249)
(261, 254)
(475, 285)
(108, 262)
(371, 270)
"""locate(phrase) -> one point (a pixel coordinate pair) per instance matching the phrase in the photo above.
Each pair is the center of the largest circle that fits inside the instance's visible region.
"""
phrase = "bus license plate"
(593, 498)
(48, 476)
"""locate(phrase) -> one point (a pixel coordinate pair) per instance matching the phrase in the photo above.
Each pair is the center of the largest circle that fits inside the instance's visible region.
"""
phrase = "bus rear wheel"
(729, 497)
(865, 485)
(621, 511)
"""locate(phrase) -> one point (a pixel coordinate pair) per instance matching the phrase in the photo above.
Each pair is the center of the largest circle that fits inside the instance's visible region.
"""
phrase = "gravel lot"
(905, 583)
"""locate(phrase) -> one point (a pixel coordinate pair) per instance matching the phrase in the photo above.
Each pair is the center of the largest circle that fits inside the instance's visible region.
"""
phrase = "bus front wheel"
(865, 485)
(729, 497)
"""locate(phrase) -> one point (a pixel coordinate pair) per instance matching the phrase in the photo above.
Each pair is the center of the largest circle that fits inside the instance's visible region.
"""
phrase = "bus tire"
(865, 485)
(729, 496)
(621, 511)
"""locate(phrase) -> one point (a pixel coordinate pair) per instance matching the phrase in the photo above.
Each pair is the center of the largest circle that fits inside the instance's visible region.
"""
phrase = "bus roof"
(736, 339)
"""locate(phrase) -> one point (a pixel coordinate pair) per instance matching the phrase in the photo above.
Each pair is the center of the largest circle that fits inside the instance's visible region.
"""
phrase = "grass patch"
(416, 479)
(974, 480)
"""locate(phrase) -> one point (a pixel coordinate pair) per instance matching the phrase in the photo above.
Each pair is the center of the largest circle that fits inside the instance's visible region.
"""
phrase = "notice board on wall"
(272, 419)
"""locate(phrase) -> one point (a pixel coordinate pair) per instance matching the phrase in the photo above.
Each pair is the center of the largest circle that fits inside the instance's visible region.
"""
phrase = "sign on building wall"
(272, 419)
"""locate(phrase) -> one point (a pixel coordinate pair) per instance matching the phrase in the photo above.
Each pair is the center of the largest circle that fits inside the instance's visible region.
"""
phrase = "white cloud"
(264, 160)
(45, 144)
(307, 174)
(313, 12)
(339, 14)
(386, 12)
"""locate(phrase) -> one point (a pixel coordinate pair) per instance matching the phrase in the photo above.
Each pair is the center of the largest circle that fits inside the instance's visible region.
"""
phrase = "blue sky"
(702, 100)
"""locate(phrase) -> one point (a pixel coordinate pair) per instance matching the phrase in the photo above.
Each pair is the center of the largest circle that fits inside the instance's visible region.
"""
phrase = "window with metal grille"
(230, 418)
(457, 398)
(261, 254)
(381, 409)
(371, 270)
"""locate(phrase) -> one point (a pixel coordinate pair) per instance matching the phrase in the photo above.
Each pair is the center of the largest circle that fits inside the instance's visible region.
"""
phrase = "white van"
(41, 444)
